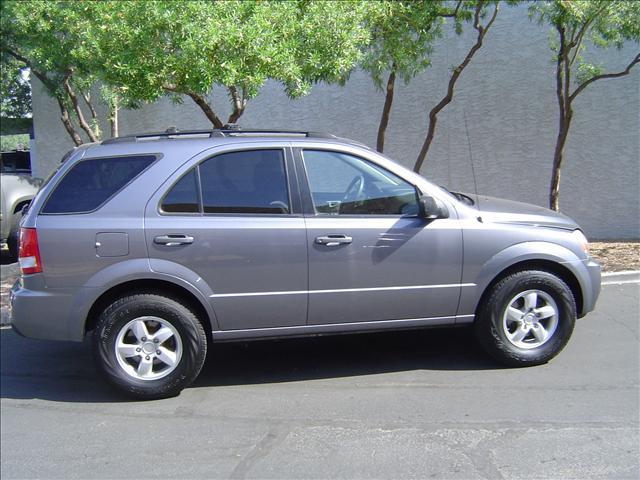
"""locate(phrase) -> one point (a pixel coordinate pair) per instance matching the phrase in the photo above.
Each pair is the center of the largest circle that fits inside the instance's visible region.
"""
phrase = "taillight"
(29, 253)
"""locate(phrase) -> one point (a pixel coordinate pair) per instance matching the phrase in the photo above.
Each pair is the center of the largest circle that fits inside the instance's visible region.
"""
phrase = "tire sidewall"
(115, 318)
(510, 288)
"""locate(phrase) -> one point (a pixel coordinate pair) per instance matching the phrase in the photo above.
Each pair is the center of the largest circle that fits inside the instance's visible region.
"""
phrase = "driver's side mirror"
(430, 208)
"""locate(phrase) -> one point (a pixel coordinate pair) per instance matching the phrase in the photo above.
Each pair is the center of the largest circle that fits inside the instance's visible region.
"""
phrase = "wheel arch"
(149, 285)
(546, 265)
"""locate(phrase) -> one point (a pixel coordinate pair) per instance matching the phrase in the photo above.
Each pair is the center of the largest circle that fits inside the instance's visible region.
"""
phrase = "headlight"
(582, 240)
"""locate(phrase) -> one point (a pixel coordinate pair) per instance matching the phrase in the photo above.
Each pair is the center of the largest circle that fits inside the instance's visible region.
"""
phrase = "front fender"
(518, 253)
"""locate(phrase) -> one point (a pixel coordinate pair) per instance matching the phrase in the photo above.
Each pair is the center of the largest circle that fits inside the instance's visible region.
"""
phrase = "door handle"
(173, 240)
(333, 240)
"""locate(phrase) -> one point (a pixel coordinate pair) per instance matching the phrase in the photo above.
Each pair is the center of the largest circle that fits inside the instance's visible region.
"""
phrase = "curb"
(619, 278)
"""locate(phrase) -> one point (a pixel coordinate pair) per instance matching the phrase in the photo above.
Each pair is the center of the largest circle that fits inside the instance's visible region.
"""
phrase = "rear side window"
(90, 183)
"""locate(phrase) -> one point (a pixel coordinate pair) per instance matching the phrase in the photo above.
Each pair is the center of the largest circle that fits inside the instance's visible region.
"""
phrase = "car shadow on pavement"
(64, 371)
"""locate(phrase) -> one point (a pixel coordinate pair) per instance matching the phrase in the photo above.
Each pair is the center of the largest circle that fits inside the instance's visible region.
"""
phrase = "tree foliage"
(578, 25)
(51, 39)
(15, 90)
(151, 48)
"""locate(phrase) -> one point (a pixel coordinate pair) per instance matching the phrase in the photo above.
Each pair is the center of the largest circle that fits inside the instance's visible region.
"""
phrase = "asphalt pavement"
(425, 404)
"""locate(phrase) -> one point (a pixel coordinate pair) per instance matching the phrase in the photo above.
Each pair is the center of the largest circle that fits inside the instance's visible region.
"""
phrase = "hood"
(499, 210)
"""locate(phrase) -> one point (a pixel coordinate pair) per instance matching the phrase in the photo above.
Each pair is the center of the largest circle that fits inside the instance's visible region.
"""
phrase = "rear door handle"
(173, 240)
(333, 240)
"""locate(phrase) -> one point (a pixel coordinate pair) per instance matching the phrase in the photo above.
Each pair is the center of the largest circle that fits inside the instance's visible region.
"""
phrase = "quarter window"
(183, 197)
(253, 181)
(342, 184)
(90, 183)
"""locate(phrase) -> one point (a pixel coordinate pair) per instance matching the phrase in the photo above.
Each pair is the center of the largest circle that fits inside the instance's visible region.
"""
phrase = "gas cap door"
(112, 244)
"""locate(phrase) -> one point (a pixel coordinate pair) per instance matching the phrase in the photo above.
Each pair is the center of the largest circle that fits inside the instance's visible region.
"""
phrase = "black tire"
(13, 240)
(489, 320)
(191, 333)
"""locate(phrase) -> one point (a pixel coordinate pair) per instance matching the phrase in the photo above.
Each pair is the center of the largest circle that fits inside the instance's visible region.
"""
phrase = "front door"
(371, 258)
(231, 220)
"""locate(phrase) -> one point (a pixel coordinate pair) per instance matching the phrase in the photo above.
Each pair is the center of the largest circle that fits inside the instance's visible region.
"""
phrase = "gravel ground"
(613, 256)
(616, 256)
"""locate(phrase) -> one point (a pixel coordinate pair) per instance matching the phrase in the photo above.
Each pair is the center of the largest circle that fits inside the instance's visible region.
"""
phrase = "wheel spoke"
(545, 312)
(167, 356)
(127, 350)
(139, 329)
(145, 367)
(163, 335)
(530, 300)
(514, 315)
(540, 333)
(519, 334)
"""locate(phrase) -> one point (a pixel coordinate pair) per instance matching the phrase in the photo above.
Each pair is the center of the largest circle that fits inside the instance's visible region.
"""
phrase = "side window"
(342, 184)
(183, 196)
(90, 183)
(252, 181)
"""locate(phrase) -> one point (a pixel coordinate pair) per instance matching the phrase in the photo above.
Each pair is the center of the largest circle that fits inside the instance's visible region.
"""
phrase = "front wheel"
(526, 319)
(149, 346)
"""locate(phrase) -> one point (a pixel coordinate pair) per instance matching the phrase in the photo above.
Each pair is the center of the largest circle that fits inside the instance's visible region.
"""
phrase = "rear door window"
(253, 181)
(90, 183)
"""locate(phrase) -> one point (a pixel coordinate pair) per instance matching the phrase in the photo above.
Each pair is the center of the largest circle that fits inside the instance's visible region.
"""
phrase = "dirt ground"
(616, 256)
(613, 256)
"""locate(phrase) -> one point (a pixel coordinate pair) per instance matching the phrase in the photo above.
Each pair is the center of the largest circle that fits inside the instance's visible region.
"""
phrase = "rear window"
(90, 183)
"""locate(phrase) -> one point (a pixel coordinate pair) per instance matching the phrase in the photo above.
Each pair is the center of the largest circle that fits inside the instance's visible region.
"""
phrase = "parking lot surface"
(425, 404)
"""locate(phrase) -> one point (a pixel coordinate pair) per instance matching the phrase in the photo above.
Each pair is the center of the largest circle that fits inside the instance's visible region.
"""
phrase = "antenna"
(473, 170)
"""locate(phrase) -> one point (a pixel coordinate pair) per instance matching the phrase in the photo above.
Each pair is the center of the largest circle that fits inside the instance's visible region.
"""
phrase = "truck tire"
(149, 346)
(526, 319)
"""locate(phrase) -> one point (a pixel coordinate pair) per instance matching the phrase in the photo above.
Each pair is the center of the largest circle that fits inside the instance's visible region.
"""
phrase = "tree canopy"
(151, 48)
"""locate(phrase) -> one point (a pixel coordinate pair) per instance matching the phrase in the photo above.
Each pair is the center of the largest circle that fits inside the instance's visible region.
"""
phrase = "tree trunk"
(66, 121)
(238, 103)
(74, 101)
(386, 110)
(563, 133)
(113, 117)
(206, 109)
(433, 114)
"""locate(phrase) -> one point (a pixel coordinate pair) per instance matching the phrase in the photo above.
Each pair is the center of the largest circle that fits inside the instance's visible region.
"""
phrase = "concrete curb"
(620, 278)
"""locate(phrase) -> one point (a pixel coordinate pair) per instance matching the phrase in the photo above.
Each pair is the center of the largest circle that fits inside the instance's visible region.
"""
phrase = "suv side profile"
(164, 244)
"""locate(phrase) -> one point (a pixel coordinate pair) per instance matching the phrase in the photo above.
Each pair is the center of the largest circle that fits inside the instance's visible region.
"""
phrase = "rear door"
(371, 258)
(233, 217)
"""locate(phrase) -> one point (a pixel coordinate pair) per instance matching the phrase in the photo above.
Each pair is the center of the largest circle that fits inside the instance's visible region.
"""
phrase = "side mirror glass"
(430, 208)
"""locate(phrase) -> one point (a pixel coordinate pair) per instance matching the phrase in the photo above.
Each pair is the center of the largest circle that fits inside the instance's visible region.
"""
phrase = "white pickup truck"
(17, 188)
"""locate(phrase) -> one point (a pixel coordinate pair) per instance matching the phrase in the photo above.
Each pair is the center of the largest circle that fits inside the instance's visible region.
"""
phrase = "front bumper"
(591, 288)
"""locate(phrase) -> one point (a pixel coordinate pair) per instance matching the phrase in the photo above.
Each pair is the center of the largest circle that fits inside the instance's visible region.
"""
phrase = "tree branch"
(622, 73)
(76, 107)
(453, 14)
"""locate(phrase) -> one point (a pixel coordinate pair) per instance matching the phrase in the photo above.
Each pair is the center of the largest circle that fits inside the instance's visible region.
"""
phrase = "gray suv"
(164, 244)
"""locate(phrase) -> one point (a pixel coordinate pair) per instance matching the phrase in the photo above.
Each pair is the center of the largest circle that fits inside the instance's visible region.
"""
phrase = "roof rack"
(229, 130)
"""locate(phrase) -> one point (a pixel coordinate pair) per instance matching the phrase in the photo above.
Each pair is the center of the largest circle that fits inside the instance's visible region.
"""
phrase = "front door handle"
(333, 240)
(173, 240)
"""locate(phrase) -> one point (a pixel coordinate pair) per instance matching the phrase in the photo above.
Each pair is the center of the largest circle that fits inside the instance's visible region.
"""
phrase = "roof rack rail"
(228, 130)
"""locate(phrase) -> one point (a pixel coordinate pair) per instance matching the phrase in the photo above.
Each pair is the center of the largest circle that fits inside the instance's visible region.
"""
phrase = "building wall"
(503, 119)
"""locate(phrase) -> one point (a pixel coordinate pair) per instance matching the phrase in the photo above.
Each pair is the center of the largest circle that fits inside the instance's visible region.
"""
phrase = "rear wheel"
(149, 346)
(526, 319)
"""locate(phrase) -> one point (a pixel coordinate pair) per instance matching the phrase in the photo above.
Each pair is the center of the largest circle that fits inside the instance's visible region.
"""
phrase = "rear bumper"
(41, 314)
